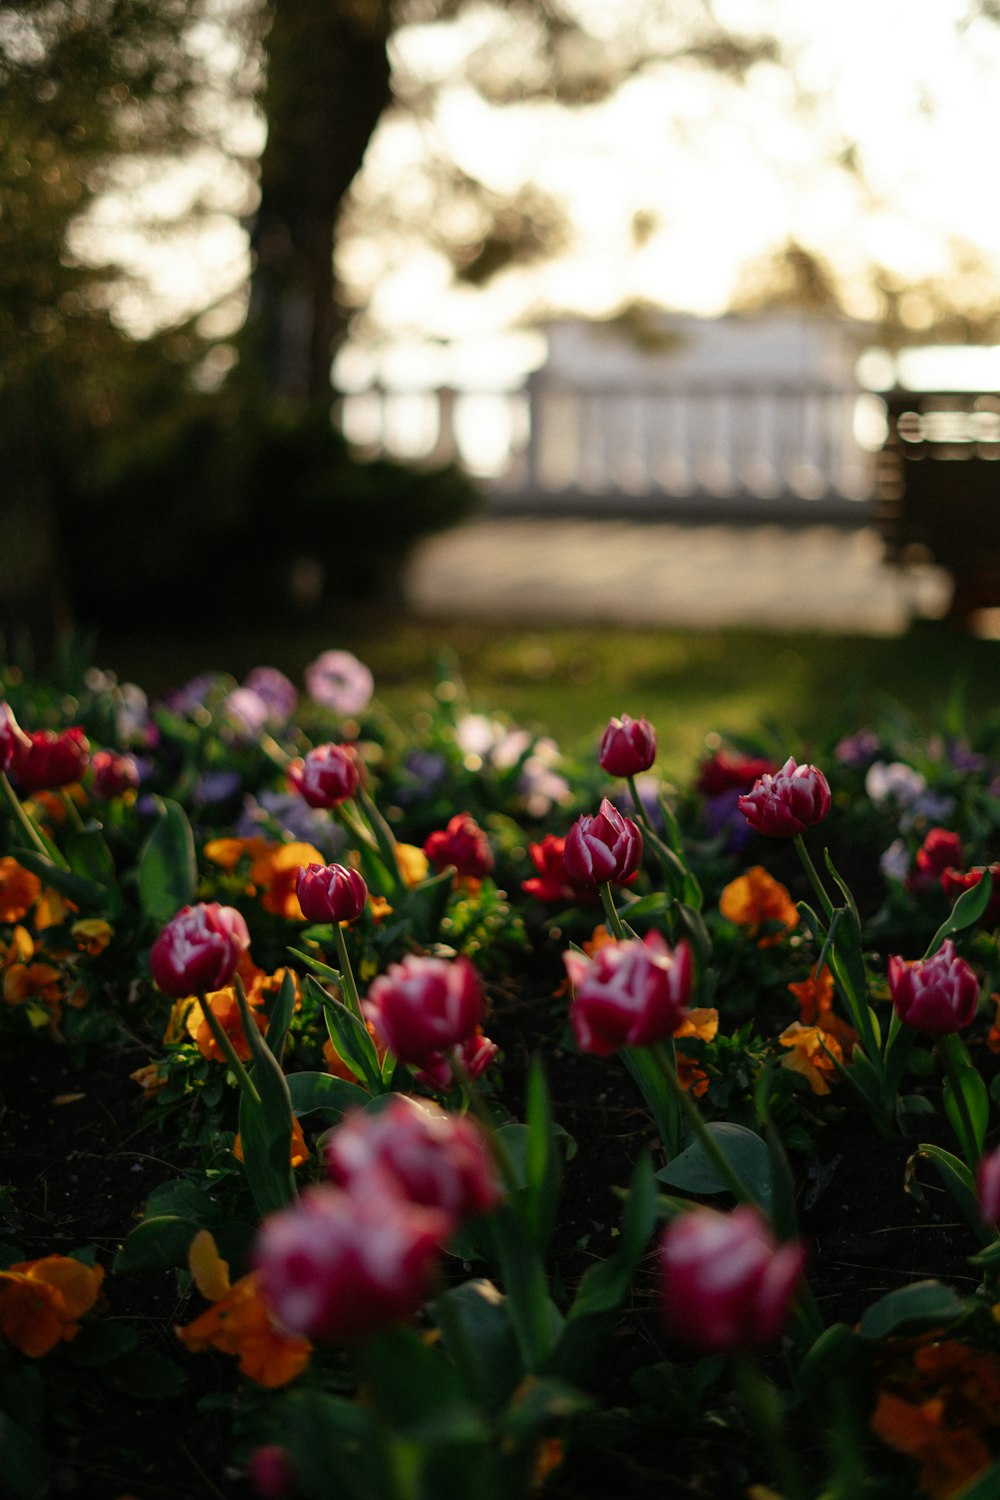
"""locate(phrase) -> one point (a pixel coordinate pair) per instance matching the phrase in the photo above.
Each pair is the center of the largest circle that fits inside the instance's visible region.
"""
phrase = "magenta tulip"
(606, 847)
(630, 994)
(199, 950)
(628, 746)
(331, 893)
(113, 774)
(988, 1187)
(422, 1006)
(46, 761)
(328, 776)
(726, 1284)
(787, 803)
(462, 844)
(937, 995)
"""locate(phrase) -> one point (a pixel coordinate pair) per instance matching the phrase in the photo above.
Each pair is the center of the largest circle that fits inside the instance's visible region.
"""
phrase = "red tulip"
(331, 893)
(954, 882)
(607, 847)
(726, 1284)
(475, 1054)
(630, 994)
(941, 850)
(937, 995)
(424, 1005)
(47, 760)
(414, 1150)
(787, 803)
(113, 774)
(628, 746)
(328, 776)
(462, 844)
(13, 740)
(199, 950)
(338, 1268)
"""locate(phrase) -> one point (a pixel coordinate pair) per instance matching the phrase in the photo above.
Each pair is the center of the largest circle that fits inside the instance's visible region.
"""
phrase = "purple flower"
(276, 691)
(858, 750)
(286, 813)
(247, 712)
(337, 680)
(216, 786)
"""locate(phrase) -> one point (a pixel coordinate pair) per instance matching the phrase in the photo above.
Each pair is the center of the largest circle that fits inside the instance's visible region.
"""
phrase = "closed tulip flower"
(628, 747)
(424, 1005)
(630, 994)
(988, 1186)
(113, 774)
(328, 776)
(727, 1286)
(331, 893)
(606, 847)
(46, 760)
(937, 995)
(337, 1268)
(199, 950)
(413, 1149)
(13, 740)
(462, 844)
(787, 803)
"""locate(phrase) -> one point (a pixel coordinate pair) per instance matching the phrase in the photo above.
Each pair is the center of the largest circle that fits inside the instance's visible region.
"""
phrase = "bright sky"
(726, 172)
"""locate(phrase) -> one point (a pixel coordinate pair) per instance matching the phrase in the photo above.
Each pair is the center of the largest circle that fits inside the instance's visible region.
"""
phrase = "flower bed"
(411, 1110)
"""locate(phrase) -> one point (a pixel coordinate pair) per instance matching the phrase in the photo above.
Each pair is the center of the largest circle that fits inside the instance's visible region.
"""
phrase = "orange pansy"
(756, 899)
(227, 853)
(703, 1024)
(413, 863)
(815, 997)
(19, 890)
(42, 1300)
(814, 1053)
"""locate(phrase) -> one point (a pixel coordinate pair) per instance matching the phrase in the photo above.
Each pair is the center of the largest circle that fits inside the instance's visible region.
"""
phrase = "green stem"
(763, 1408)
(611, 912)
(228, 1051)
(349, 986)
(813, 875)
(948, 1051)
(34, 836)
(708, 1142)
(385, 839)
(72, 811)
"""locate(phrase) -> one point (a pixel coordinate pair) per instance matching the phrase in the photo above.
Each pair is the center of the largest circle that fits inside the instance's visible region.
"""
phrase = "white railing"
(544, 441)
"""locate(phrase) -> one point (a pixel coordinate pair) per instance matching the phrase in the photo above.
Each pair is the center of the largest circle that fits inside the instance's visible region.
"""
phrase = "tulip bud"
(13, 740)
(113, 774)
(328, 776)
(941, 850)
(937, 995)
(47, 760)
(726, 1284)
(475, 1054)
(336, 1267)
(199, 950)
(462, 844)
(630, 994)
(331, 893)
(607, 847)
(424, 1005)
(787, 803)
(272, 1473)
(988, 1187)
(414, 1150)
(628, 746)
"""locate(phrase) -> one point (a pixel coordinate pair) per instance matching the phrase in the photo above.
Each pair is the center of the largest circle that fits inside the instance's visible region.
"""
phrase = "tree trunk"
(327, 86)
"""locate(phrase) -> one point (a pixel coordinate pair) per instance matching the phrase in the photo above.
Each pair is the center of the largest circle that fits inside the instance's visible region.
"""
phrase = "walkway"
(661, 573)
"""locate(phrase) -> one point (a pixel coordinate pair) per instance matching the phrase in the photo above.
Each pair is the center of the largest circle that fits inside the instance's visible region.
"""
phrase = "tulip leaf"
(280, 1016)
(266, 1122)
(476, 1329)
(83, 892)
(542, 1166)
(350, 1039)
(923, 1304)
(747, 1154)
(322, 1093)
(420, 1394)
(25, 1464)
(957, 1179)
(157, 1244)
(967, 1105)
(145, 1374)
(168, 873)
(967, 910)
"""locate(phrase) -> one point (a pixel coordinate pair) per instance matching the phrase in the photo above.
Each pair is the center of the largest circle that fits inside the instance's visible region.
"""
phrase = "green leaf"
(280, 1016)
(265, 1127)
(970, 1088)
(335, 1447)
(921, 1305)
(475, 1327)
(653, 905)
(604, 1285)
(25, 1465)
(417, 1392)
(87, 894)
(313, 1093)
(967, 910)
(350, 1039)
(168, 874)
(960, 1184)
(90, 858)
(542, 1166)
(100, 1343)
(318, 966)
(157, 1244)
(984, 1486)
(746, 1153)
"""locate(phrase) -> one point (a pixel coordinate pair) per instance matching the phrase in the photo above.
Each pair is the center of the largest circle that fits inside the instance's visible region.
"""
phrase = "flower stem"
(31, 832)
(763, 1409)
(347, 973)
(228, 1051)
(707, 1140)
(611, 912)
(813, 875)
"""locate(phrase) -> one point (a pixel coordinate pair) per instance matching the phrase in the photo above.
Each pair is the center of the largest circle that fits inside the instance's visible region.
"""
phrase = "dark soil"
(81, 1167)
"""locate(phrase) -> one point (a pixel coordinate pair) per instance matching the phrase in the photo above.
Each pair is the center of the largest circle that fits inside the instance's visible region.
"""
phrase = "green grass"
(570, 681)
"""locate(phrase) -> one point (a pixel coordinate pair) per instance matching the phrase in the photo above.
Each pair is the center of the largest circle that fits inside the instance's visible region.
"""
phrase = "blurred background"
(431, 326)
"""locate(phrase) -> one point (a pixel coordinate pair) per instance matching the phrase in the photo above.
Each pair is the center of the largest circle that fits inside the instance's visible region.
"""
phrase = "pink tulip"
(462, 844)
(628, 746)
(422, 1006)
(475, 1054)
(726, 1284)
(988, 1187)
(331, 893)
(328, 776)
(937, 995)
(787, 803)
(338, 1267)
(414, 1150)
(199, 950)
(630, 994)
(607, 847)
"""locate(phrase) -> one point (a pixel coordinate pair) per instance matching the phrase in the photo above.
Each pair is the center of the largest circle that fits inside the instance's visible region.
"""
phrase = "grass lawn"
(571, 680)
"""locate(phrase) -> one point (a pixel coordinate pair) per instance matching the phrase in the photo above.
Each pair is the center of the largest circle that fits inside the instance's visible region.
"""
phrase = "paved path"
(660, 573)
